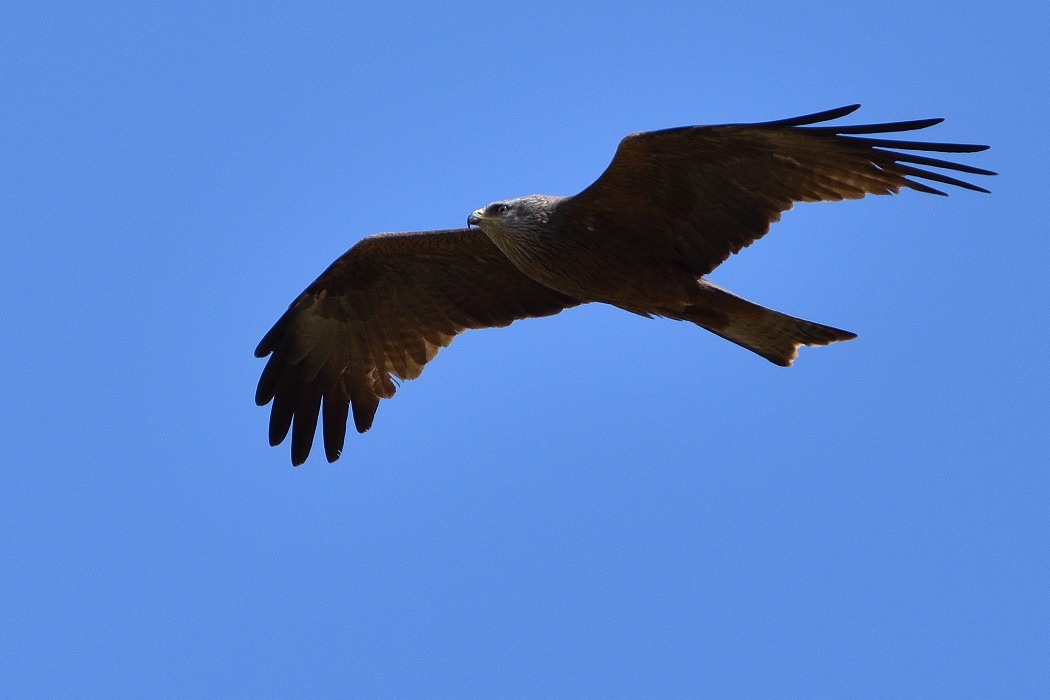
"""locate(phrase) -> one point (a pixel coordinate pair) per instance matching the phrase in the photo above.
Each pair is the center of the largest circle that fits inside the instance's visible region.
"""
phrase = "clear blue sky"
(591, 505)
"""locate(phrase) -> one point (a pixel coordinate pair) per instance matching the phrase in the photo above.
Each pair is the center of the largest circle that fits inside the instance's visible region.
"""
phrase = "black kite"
(671, 207)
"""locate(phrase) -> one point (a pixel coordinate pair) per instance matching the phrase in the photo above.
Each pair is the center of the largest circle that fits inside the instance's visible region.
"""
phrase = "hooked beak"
(475, 218)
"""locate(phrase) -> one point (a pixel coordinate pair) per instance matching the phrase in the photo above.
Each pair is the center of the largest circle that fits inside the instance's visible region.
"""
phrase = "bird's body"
(559, 252)
(671, 207)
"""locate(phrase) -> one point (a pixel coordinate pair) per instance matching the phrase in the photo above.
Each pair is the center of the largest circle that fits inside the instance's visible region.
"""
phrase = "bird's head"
(523, 213)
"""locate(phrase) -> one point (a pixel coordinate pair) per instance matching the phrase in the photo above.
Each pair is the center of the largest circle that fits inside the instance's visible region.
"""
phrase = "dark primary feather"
(380, 311)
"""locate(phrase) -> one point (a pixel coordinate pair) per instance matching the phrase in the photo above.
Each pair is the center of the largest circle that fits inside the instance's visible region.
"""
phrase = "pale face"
(521, 214)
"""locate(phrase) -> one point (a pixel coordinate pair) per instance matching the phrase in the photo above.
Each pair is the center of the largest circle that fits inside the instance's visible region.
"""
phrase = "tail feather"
(771, 334)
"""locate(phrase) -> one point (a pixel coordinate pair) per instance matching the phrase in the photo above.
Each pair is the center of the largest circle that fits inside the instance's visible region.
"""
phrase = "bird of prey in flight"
(671, 207)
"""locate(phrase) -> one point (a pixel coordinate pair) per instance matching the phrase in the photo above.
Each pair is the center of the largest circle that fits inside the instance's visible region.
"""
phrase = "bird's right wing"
(383, 310)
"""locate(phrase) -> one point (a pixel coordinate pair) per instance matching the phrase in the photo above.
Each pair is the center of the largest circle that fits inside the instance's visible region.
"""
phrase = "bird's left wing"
(383, 310)
(696, 195)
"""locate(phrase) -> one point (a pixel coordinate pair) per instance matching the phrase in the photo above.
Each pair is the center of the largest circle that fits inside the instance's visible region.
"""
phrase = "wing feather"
(379, 313)
(698, 194)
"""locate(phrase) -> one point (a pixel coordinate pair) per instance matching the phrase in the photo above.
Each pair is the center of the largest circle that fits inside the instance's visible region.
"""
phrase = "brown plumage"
(671, 207)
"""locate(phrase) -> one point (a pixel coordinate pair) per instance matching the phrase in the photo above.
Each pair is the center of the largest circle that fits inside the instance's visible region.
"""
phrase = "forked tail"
(771, 334)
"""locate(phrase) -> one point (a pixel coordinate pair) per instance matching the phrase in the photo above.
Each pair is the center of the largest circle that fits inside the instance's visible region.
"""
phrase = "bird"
(670, 207)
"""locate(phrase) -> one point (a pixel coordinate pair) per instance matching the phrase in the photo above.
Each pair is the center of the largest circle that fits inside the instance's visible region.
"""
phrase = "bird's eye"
(500, 209)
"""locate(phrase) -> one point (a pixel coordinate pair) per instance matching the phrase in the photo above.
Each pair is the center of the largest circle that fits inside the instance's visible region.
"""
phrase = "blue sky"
(590, 505)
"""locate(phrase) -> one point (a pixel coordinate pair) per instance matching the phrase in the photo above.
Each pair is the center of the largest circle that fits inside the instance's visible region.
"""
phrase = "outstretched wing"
(383, 310)
(701, 193)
